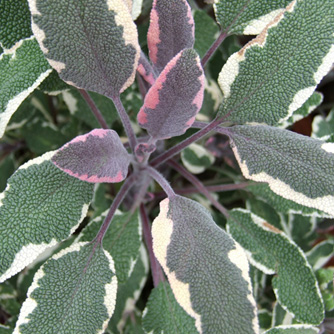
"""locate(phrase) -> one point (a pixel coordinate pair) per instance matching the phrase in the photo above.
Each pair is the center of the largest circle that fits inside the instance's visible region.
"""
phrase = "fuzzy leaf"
(321, 254)
(171, 30)
(22, 69)
(293, 329)
(271, 251)
(78, 288)
(306, 166)
(91, 43)
(122, 240)
(38, 193)
(176, 97)
(163, 314)
(266, 81)
(98, 156)
(196, 255)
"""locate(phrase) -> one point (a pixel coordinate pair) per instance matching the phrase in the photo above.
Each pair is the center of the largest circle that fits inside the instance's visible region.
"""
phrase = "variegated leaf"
(293, 329)
(323, 128)
(306, 166)
(266, 81)
(320, 254)
(98, 156)
(271, 251)
(38, 193)
(207, 270)
(92, 44)
(176, 97)
(171, 30)
(78, 288)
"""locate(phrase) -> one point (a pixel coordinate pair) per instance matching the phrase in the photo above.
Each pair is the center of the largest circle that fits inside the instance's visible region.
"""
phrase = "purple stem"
(199, 185)
(214, 47)
(162, 181)
(157, 273)
(95, 110)
(114, 206)
(126, 122)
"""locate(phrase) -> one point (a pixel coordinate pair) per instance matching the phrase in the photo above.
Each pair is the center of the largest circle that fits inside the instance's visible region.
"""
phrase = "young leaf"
(207, 270)
(176, 97)
(40, 207)
(266, 81)
(98, 156)
(323, 128)
(271, 251)
(293, 329)
(305, 174)
(122, 240)
(91, 43)
(171, 30)
(22, 69)
(163, 314)
(78, 288)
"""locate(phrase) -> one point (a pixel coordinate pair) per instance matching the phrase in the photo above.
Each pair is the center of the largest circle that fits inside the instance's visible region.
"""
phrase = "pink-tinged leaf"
(171, 105)
(98, 156)
(146, 70)
(171, 30)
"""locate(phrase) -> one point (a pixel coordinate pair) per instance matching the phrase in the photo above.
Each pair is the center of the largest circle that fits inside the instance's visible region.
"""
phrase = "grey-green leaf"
(266, 81)
(40, 207)
(76, 287)
(163, 314)
(92, 44)
(196, 256)
(271, 251)
(306, 166)
(320, 254)
(293, 329)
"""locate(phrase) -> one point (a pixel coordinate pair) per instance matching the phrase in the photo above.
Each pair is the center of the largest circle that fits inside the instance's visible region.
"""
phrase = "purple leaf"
(145, 70)
(98, 156)
(171, 30)
(171, 105)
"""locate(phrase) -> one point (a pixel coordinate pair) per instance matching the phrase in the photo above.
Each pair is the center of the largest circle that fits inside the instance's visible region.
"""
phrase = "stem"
(214, 47)
(95, 110)
(162, 181)
(179, 147)
(157, 273)
(199, 185)
(114, 206)
(126, 122)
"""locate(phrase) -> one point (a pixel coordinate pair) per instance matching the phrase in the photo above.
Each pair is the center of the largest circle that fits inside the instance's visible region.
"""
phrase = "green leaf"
(196, 158)
(325, 279)
(14, 22)
(163, 314)
(281, 204)
(271, 251)
(281, 316)
(79, 108)
(78, 288)
(7, 168)
(323, 128)
(40, 207)
(53, 85)
(248, 17)
(306, 166)
(320, 254)
(5, 330)
(97, 38)
(22, 69)
(266, 81)
(8, 299)
(129, 292)
(196, 255)
(312, 103)
(293, 329)
(122, 240)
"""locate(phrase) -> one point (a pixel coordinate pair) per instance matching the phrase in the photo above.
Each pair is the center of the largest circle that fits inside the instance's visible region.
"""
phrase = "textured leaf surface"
(40, 207)
(122, 240)
(98, 156)
(91, 43)
(293, 329)
(266, 81)
(321, 254)
(77, 287)
(281, 204)
(196, 256)
(271, 251)
(176, 97)
(248, 17)
(171, 30)
(306, 166)
(163, 314)
(22, 69)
